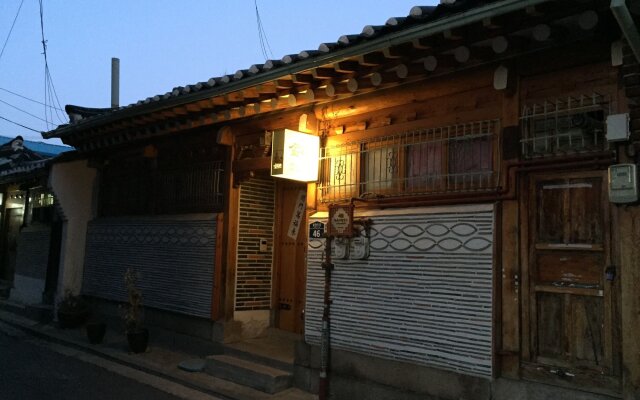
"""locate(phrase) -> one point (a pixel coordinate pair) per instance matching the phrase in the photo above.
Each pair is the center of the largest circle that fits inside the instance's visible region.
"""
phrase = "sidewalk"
(158, 361)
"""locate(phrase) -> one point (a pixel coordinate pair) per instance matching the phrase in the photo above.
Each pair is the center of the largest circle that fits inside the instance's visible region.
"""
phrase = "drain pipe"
(628, 27)
(323, 384)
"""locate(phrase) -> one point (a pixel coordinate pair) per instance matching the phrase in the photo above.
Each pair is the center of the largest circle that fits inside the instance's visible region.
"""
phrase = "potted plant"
(96, 331)
(72, 310)
(137, 336)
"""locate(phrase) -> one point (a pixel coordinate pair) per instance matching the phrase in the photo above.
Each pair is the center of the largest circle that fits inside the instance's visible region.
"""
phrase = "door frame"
(530, 369)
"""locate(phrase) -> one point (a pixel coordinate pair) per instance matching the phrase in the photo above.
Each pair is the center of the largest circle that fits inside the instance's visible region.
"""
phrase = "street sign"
(316, 230)
(341, 220)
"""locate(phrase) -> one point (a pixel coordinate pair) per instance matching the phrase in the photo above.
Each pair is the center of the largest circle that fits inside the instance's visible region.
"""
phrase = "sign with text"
(294, 155)
(341, 220)
(298, 215)
(316, 230)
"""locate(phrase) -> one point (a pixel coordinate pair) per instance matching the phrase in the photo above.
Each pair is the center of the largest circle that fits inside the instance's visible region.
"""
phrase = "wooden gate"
(290, 256)
(570, 324)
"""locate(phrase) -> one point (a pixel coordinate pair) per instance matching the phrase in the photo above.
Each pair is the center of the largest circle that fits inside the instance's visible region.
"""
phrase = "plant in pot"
(72, 310)
(137, 336)
(96, 331)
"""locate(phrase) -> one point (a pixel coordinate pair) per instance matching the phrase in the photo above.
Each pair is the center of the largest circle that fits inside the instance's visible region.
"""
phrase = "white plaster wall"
(27, 290)
(73, 184)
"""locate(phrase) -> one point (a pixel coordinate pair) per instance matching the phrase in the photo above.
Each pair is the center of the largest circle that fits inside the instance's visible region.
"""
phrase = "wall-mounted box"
(618, 127)
(623, 183)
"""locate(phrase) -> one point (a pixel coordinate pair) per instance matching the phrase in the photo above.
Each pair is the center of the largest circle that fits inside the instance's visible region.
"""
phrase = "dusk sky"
(161, 44)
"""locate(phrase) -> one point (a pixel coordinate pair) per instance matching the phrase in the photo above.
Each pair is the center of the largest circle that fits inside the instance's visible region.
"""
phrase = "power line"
(15, 123)
(27, 98)
(50, 94)
(262, 35)
(11, 29)
(21, 110)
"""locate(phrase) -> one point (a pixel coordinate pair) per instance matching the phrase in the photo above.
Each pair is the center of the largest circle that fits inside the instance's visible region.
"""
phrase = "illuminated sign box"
(294, 155)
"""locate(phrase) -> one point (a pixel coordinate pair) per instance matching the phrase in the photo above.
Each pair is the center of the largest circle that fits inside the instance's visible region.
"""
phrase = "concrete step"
(258, 376)
(252, 355)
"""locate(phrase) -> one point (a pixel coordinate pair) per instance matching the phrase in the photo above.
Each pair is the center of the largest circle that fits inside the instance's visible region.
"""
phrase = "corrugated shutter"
(173, 257)
(423, 296)
(32, 254)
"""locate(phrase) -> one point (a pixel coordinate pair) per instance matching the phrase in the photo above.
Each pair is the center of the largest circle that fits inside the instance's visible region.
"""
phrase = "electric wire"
(21, 110)
(15, 123)
(4, 46)
(28, 98)
(262, 35)
(50, 94)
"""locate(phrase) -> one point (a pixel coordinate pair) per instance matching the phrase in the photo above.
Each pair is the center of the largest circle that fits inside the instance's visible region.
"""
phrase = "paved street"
(31, 369)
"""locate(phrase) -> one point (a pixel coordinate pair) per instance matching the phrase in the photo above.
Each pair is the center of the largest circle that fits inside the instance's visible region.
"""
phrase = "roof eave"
(406, 35)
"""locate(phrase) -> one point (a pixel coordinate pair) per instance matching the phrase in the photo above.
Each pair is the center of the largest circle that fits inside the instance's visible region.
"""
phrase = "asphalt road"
(30, 369)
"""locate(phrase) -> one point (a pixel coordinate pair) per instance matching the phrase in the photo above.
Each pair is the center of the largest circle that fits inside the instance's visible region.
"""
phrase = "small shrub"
(132, 310)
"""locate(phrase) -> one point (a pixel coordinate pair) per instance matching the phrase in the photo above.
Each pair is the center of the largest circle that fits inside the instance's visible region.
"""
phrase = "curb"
(34, 331)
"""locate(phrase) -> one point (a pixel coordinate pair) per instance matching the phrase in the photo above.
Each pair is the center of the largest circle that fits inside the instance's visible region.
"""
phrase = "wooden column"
(629, 275)
(510, 278)
(230, 240)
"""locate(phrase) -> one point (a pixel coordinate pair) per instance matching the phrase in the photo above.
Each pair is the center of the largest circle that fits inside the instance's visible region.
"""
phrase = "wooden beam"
(346, 67)
(324, 73)
(353, 85)
(302, 78)
(372, 59)
(422, 44)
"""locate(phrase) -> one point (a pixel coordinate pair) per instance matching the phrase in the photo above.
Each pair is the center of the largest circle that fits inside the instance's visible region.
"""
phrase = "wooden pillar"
(230, 238)
(629, 275)
(509, 349)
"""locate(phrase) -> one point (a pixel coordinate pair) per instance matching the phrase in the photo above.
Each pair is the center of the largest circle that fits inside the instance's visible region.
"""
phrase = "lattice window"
(564, 126)
(180, 178)
(452, 158)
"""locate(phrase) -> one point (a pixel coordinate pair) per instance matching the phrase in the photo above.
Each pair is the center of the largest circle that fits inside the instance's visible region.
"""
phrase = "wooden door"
(571, 319)
(290, 256)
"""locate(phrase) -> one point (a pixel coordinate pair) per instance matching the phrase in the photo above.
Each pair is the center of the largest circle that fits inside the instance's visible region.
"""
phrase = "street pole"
(323, 385)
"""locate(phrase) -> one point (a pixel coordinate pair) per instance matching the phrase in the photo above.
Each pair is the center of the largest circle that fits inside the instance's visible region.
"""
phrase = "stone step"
(247, 373)
(253, 356)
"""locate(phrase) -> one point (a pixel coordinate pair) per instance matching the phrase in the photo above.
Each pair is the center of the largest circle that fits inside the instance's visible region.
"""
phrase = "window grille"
(181, 179)
(454, 158)
(564, 126)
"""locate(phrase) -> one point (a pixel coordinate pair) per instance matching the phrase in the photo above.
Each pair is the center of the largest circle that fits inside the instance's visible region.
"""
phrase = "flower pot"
(71, 319)
(96, 331)
(138, 340)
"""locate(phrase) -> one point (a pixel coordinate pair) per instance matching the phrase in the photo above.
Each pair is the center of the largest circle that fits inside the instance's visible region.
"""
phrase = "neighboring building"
(475, 136)
(30, 232)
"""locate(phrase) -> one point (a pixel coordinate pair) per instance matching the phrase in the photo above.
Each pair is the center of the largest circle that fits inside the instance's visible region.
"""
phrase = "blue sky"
(161, 44)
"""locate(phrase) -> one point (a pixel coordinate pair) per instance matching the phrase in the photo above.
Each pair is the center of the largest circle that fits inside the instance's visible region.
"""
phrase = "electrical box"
(359, 248)
(340, 248)
(623, 183)
(618, 127)
(263, 245)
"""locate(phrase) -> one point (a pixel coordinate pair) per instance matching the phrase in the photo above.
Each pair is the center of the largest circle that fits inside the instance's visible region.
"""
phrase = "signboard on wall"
(294, 155)
(297, 216)
(316, 230)
(341, 220)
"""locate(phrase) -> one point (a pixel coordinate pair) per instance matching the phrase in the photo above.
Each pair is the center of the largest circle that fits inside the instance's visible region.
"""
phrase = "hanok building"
(29, 224)
(489, 149)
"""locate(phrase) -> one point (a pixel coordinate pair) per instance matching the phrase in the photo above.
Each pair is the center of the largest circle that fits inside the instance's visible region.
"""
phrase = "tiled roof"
(418, 15)
(15, 158)
(44, 149)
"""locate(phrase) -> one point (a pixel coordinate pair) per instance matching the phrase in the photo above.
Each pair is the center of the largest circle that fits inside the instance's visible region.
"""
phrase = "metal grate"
(455, 158)
(564, 125)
